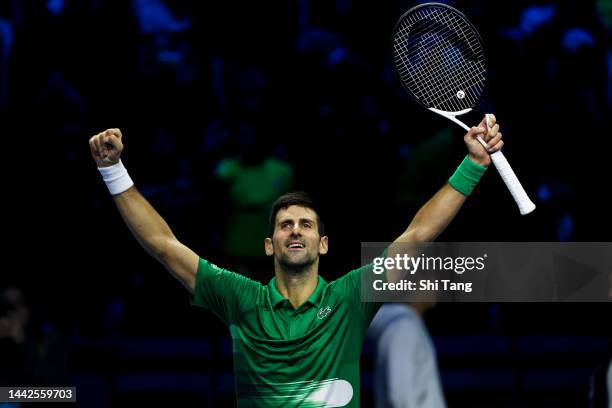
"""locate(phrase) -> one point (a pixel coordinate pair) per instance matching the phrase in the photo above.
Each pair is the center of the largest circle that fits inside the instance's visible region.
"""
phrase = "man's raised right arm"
(146, 224)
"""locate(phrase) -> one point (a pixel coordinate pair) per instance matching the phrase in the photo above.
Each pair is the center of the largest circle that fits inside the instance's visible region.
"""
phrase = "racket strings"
(427, 31)
(439, 58)
(440, 63)
(444, 56)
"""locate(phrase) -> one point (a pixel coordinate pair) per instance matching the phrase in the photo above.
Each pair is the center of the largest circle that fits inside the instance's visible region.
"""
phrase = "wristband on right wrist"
(466, 176)
(116, 178)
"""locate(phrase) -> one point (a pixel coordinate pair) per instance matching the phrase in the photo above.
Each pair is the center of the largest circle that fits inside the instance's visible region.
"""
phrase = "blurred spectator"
(10, 16)
(406, 372)
(429, 157)
(600, 392)
(31, 354)
(255, 180)
(155, 17)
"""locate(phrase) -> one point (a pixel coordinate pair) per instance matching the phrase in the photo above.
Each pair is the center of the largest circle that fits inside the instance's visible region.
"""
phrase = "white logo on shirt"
(331, 393)
(323, 312)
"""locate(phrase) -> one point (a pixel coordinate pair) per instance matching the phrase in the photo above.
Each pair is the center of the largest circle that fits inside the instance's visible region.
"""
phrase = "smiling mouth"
(295, 246)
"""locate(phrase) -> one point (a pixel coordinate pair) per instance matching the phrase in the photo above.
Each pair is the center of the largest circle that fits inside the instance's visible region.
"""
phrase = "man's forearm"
(146, 224)
(434, 216)
(144, 221)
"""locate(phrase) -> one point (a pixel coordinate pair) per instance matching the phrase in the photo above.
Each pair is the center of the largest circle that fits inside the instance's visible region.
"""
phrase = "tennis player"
(297, 340)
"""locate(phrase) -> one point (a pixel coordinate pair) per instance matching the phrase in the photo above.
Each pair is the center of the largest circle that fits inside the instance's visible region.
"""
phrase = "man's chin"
(296, 262)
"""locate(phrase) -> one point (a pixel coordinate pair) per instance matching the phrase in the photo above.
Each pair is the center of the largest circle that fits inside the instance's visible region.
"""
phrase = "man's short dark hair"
(298, 198)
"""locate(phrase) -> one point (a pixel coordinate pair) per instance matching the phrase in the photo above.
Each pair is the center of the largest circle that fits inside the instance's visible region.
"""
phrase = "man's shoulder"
(349, 283)
(209, 273)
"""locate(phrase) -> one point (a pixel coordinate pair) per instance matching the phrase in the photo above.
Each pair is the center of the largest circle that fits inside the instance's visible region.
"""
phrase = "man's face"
(296, 241)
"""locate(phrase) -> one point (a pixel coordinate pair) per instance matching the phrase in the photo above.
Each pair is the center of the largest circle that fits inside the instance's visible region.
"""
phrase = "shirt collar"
(276, 298)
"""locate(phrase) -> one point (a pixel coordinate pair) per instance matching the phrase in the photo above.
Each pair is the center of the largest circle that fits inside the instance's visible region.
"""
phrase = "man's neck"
(297, 286)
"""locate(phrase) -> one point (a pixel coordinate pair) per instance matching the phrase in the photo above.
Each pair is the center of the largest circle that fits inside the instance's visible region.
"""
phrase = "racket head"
(439, 58)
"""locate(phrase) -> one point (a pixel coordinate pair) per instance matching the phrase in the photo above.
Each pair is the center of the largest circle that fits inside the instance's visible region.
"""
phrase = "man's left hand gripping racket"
(440, 61)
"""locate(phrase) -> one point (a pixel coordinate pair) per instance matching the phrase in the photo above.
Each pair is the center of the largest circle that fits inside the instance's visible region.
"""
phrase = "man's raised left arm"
(439, 211)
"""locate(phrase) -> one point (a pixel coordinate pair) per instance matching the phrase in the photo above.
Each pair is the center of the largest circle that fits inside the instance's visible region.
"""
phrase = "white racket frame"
(519, 194)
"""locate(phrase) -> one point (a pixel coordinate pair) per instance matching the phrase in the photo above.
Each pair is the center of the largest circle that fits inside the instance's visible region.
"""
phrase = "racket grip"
(525, 205)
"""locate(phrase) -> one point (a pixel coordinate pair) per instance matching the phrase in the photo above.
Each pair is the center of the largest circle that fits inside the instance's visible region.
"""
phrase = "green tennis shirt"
(285, 356)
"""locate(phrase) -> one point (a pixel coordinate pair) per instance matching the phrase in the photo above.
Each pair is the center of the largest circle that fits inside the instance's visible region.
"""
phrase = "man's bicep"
(182, 262)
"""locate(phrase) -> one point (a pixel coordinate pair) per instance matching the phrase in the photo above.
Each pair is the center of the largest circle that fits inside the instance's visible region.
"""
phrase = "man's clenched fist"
(106, 147)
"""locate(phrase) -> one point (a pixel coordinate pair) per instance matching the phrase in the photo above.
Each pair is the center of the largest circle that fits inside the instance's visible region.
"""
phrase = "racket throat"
(451, 116)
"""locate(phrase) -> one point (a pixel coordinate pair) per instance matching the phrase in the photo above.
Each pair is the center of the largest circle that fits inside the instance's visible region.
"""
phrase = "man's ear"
(269, 247)
(323, 245)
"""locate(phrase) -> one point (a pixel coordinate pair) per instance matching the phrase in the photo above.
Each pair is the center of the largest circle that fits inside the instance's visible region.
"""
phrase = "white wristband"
(116, 178)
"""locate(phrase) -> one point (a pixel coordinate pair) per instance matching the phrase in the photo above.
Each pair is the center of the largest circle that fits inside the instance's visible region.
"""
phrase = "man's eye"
(307, 225)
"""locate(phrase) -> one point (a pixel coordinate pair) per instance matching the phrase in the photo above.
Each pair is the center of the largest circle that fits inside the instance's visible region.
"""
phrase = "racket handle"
(525, 205)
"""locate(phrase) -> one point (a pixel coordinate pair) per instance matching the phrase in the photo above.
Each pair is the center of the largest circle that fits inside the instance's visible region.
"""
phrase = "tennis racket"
(439, 58)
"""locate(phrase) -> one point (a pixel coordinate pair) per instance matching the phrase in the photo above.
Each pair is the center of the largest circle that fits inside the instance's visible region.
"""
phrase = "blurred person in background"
(405, 370)
(31, 353)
